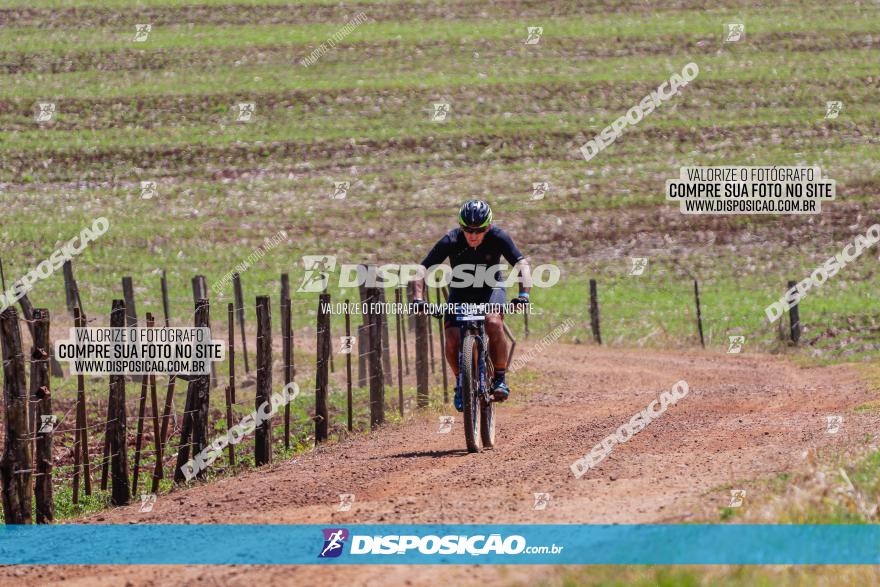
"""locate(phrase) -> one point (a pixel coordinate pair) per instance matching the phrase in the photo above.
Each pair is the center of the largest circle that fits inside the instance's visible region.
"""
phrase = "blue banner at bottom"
(355, 544)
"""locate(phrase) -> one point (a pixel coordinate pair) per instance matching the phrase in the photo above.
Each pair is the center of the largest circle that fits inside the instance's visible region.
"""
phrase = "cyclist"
(479, 244)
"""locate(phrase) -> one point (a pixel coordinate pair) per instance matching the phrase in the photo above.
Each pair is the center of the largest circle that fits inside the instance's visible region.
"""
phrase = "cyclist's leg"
(498, 346)
(452, 336)
(451, 351)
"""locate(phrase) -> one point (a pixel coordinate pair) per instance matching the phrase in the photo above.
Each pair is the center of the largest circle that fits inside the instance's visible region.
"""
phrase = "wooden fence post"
(363, 344)
(163, 282)
(263, 433)
(230, 389)
(321, 369)
(200, 292)
(430, 330)
(594, 312)
(194, 429)
(142, 411)
(128, 294)
(44, 424)
(27, 310)
(397, 311)
(15, 465)
(421, 359)
(80, 435)
(403, 333)
(116, 424)
(348, 365)
(442, 330)
(377, 378)
(794, 318)
(386, 347)
(71, 291)
(158, 472)
(699, 314)
(239, 308)
(286, 359)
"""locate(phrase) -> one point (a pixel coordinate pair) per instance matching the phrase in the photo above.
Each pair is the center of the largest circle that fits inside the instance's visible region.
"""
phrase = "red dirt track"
(746, 417)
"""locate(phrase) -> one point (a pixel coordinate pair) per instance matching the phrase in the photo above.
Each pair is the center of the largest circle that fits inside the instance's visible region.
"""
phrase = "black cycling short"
(498, 296)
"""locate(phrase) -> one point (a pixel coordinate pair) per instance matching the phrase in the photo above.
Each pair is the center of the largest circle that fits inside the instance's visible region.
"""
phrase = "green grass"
(845, 19)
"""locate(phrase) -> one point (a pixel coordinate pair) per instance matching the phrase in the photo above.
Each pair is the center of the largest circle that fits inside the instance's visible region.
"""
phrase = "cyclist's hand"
(520, 301)
(420, 307)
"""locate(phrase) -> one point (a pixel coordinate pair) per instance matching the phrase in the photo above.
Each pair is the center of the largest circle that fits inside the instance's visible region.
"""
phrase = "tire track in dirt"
(746, 417)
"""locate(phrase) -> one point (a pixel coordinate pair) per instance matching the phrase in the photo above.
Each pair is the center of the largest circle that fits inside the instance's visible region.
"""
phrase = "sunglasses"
(471, 230)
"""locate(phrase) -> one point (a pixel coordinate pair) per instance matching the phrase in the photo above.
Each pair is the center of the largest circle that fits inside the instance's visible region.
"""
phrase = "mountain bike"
(475, 372)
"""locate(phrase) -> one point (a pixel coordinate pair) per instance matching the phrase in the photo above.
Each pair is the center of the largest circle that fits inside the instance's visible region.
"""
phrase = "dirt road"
(746, 417)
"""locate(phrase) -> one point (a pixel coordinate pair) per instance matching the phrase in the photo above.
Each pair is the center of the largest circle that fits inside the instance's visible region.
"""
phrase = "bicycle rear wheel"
(487, 410)
(470, 382)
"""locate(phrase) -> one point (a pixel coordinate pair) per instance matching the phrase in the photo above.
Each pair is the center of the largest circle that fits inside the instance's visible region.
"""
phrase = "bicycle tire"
(470, 377)
(487, 410)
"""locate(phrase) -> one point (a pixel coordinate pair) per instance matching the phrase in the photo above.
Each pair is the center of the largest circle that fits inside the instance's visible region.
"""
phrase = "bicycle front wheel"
(470, 382)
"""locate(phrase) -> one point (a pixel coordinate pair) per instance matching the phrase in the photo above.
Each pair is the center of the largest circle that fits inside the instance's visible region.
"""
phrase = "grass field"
(166, 110)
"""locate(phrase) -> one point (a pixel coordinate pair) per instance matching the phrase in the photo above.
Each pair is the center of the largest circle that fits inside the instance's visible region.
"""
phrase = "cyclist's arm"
(519, 263)
(437, 255)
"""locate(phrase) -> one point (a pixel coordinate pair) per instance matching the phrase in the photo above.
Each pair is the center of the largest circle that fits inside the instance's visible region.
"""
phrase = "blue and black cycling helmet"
(475, 214)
